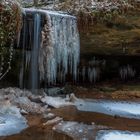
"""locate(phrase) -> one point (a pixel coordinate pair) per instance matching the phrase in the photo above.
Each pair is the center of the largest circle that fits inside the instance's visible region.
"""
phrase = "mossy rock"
(11, 21)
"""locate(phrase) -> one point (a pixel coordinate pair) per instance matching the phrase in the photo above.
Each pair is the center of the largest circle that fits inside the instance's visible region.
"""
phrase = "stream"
(67, 118)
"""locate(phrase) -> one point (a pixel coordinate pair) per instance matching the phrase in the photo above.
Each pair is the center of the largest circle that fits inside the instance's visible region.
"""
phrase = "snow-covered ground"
(118, 135)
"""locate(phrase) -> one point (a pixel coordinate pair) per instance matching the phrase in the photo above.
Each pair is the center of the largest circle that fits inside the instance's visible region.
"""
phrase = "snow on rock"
(28, 106)
(118, 135)
(24, 99)
(56, 102)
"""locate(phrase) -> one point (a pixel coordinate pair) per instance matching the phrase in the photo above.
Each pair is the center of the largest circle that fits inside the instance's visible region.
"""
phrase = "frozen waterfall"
(52, 46)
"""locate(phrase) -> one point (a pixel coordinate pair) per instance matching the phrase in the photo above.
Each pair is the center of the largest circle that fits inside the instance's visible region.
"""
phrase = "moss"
(10, 23)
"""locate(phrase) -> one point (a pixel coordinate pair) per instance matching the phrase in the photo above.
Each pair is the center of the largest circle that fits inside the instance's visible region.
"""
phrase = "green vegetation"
(10, 23)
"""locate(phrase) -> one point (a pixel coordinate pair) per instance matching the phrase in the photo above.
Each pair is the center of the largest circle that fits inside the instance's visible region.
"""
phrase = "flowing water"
(35, 52)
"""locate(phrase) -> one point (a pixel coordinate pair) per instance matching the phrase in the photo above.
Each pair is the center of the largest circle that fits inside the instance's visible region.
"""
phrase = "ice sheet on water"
(11, 124)
(120, 108)
(75, 130)
(117, 135)
(11, 121)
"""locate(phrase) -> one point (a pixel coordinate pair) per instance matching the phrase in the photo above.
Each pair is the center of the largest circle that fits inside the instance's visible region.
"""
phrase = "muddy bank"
(109, 90)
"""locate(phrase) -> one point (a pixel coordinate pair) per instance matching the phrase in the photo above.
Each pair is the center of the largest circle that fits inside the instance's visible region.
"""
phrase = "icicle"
(62, 48)
(83, 73)
(127, 72)
(93, 74)
(47, 61)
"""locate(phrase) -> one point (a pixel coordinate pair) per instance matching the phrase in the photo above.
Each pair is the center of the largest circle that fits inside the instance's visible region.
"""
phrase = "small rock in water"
(54, 91)
(49, 116)
(71, 98)
(23, 112)
(56, 120)
(35, 99)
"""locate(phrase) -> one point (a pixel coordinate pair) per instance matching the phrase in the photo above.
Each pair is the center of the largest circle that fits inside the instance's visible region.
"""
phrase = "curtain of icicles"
(59, 53)
(57, 49)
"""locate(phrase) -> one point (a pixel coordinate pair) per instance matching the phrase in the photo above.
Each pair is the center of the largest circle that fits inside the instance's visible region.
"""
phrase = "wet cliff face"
(117, 41)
